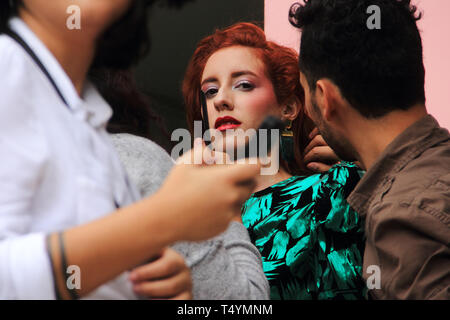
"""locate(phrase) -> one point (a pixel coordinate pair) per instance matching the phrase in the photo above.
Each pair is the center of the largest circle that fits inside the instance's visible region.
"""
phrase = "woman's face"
(239, 94)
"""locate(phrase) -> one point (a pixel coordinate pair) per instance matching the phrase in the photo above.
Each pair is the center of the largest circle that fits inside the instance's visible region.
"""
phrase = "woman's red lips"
(226, 123)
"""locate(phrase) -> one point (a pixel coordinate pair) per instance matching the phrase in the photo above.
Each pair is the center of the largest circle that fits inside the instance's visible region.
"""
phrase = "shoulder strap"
(38, 62)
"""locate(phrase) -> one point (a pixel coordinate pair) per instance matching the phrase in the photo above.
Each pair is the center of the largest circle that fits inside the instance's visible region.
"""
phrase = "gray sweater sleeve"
(226, 267)
(146, 163)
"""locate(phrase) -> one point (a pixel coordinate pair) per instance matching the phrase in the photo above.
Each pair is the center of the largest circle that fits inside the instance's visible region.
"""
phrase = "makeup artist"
(65, 199)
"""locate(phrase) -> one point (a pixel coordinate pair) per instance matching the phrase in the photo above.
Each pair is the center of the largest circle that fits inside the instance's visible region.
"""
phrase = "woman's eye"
(244, 85)
(210, 92)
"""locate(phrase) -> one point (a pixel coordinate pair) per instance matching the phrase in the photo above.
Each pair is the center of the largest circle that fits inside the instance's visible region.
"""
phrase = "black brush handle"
(270, 123)
(205, 121)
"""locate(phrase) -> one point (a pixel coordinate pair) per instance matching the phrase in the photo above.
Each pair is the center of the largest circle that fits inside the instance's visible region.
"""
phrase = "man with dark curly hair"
(364, 84)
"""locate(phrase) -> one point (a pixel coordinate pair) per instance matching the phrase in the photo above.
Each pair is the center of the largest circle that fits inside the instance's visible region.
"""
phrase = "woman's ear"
(291, 109)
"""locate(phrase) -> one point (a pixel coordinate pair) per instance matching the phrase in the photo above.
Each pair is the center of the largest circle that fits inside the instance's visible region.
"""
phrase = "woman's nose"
(223, 101)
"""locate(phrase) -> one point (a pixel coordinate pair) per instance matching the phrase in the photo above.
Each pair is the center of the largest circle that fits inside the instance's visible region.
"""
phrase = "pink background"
(435, 29)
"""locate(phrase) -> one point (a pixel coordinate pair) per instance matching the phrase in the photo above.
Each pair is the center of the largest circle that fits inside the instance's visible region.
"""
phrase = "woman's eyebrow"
(242, 73)
(208, 80)
(235, 74)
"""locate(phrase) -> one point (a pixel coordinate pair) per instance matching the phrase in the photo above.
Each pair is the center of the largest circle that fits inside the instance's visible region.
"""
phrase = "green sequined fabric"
(310, 239)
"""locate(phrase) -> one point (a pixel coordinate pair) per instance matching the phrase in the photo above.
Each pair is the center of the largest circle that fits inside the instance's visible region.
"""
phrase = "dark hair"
(132, 110)
(6, 11)
(377, 70)
(126, 41)
(122, 44)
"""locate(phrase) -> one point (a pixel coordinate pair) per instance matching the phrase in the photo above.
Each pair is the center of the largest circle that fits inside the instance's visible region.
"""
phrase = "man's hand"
(319, 157)
(167, 277)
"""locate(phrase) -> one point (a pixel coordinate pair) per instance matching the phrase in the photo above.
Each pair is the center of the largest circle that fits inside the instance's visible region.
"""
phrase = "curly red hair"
(281, 64)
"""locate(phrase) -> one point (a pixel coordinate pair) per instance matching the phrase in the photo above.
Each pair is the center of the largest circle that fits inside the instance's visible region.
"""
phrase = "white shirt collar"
(93, 109)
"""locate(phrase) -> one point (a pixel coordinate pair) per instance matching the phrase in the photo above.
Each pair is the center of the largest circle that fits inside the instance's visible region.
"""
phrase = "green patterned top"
(310, 239)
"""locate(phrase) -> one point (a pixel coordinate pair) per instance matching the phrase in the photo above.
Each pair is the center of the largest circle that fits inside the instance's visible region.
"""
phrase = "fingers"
(200, 154)
(314, 133)
(324, 155)
(318, 167)
(239, 173)
(195, 155)
(168, 264)
(167, 277)
(319, 157)
(235, 182)
(183, 296)
(219, 157)
(178, 286)
(317, 141)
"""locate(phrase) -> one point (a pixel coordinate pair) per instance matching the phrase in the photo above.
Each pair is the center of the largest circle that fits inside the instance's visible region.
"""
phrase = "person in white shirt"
(65, 199)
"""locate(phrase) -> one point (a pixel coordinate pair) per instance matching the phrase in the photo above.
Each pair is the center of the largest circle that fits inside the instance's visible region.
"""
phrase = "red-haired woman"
(310, 240)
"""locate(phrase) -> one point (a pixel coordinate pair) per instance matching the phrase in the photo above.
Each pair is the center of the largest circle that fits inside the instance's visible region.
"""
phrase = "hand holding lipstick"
(202, 155)
(211, 196)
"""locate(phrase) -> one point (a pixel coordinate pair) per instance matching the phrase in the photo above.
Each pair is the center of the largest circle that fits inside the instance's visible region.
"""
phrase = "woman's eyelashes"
(210, 92)
(243, 85)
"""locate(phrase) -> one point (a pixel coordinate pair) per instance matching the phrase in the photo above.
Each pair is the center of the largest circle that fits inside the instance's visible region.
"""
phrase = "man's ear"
(291, 109)
(328, 98)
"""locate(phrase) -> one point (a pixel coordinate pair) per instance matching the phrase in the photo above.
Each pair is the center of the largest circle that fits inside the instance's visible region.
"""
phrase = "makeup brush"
(270, 123)
(205, 121)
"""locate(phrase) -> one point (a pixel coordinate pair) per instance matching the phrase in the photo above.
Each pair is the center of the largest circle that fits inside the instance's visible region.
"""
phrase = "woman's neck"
(265, 181)
(73, 51)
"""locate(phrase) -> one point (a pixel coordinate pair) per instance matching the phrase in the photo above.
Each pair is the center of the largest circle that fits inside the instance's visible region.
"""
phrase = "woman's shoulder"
(140, 148)
(21, 113)
(329, 195)
(146, 162)
(340, 175)
(15, 64)
(325, 193)
(15, 68)
(343, 174)
(7, 48)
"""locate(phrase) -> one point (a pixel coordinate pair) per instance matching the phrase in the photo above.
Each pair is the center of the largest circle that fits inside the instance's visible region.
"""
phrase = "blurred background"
(176, 32)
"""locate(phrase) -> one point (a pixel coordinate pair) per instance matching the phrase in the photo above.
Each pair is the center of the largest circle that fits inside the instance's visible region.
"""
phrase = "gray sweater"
(226, 267)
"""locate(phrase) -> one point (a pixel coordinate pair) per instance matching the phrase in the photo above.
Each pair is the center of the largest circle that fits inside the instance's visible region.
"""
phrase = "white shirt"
(58, 168)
